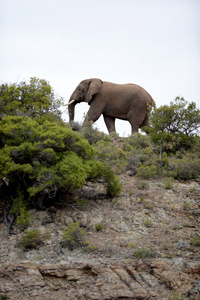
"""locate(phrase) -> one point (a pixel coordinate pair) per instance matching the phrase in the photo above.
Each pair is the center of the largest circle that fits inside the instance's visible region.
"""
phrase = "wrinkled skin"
(122, 101)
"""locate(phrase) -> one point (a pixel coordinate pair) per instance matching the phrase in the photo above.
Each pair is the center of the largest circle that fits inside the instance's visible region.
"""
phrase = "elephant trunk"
(71, 109)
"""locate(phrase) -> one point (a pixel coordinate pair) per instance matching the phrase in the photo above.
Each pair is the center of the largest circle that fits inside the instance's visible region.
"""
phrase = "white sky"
(153, 43)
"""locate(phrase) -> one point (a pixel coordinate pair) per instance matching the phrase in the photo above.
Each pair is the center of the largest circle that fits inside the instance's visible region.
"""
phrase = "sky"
(152, 43)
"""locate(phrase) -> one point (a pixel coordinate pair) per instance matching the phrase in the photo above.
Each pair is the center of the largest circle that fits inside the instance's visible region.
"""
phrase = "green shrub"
(147, 171)
(175, 127)
(3, 297)
(73, 236)
(148, 223)
(142, 185)
(144, 253)
(136, 140)
(132, 245)
(99, 227)
(168, 182)
(24, 218)
(31, 239)
(113, 184)
(111, 154)
(93, 135)
(186, 169)
(195, 241)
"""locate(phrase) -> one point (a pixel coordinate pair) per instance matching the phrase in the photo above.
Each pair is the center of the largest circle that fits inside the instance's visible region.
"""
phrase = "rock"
(94, 191)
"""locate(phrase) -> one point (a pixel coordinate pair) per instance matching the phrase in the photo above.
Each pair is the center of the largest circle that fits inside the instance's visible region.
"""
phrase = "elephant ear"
(94, 88)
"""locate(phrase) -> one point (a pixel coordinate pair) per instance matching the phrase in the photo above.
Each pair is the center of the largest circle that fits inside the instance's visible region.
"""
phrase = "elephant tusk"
(72, 101)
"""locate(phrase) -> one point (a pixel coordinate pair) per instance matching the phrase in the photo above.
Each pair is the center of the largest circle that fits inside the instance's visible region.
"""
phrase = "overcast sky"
(153, 43)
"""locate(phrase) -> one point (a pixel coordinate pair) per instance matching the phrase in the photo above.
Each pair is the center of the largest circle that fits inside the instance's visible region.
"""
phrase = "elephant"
(122, 101)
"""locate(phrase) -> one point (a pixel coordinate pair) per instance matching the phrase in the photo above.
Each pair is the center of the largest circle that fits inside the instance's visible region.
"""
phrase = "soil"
(147, 224)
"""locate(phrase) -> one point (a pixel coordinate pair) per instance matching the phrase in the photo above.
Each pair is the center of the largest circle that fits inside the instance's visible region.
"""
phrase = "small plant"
(23, 219)
(149, 205)
(195, 241)
(192, 189)
(186, 206)
(141, 198)
(99, 227)
(144, 253)
(132, 245)
(142, 185)
(168, 182)
(81, 203)
(89, 248)
(31, 239)
(187, 169)
(148, 223)
(147, 172)
(3, 297)
(73, 236)
(176, 296)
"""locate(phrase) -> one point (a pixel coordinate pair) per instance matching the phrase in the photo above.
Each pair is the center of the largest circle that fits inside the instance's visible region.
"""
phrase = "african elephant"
(122, 101)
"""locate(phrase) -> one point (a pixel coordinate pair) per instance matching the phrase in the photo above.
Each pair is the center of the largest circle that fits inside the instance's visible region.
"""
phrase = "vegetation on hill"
(42, 158)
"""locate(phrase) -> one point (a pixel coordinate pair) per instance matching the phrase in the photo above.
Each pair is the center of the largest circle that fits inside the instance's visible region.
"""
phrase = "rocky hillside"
(143, 245)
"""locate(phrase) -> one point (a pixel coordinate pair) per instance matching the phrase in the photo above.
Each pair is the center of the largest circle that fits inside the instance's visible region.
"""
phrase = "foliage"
(43, 158)
(195, 241)
(23, 217)
(175, 126)
(136, 140)
(99, 227)
(168, 182)
(110, 154)
(93, 135)
(113, 184)
(3, 297)
(186, 169)
(148, 223)
(143, 253)
(142, 185)
(73, 236)
(30, 239)
(138, 154)
(147, 171)
(35, 98)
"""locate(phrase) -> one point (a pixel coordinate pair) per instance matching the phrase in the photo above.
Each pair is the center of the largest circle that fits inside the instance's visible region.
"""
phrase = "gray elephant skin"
(122, 101)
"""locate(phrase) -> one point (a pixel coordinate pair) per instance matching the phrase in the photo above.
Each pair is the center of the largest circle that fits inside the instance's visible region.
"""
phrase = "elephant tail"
(145, 122)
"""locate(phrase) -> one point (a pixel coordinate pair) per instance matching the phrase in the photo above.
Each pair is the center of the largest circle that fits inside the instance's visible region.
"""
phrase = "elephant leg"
(135, 122)
(95, 111)
(110, 123)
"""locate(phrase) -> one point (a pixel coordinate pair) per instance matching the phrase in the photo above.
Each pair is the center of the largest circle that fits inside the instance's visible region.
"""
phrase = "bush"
(93, 135)
(113, 184)
(111, 154)
(73, 236)
(23, 219)
(186, 169)
(3, 297)
(195, 241)
(168, 182)
(147, 172)
(30, 239)
(137, 140)
(175, 127)
(142, 185)
(99, 227)
(144, 253)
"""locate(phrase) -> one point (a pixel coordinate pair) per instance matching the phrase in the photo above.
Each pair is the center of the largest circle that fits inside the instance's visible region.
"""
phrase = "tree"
(175, 126)
(35, 98)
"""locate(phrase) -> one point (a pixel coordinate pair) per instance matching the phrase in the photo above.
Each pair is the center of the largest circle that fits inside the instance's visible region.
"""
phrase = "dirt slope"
(146, 249)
